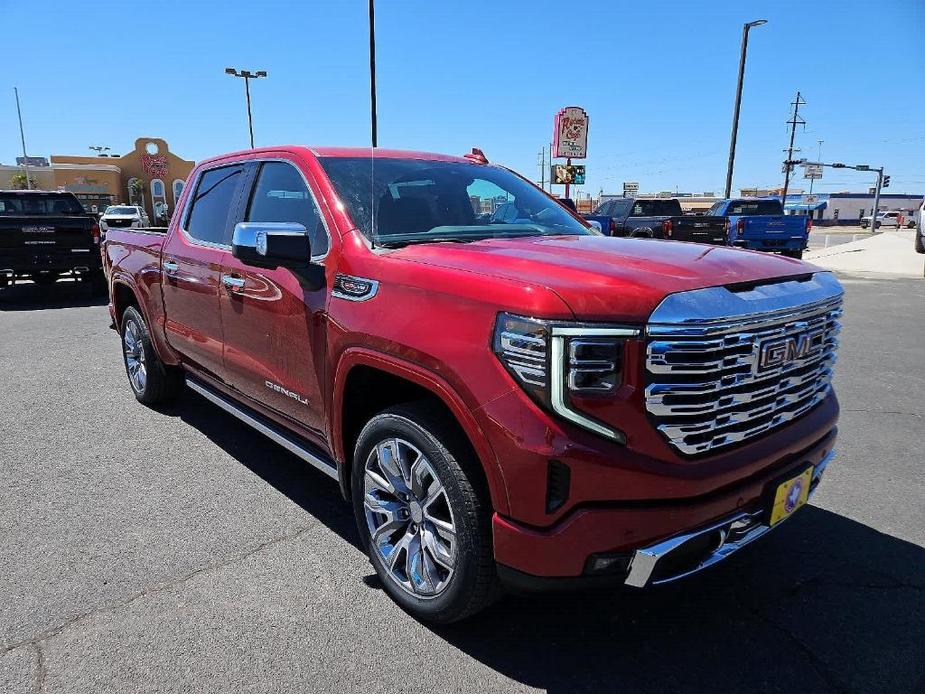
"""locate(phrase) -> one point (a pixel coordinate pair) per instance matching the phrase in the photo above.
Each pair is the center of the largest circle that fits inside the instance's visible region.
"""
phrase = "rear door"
(191, 265)
(274, 326)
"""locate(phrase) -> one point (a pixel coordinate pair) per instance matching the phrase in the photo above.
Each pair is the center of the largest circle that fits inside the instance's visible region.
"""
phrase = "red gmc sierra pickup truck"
(508, 400)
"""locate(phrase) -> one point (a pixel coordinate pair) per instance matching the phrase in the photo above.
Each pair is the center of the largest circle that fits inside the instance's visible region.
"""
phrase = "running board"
(276, 434)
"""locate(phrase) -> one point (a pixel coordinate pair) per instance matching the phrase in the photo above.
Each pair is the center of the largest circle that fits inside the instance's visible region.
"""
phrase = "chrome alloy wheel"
(409, 518)
(134, 356)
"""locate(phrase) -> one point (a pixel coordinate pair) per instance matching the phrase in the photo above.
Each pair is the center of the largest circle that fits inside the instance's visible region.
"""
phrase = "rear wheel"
(151, 380)
(423, 519)
(793, 254)
(919, 242)
(877, 225)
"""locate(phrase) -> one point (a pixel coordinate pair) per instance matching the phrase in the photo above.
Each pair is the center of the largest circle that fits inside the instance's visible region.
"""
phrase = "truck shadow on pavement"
(823, 604)
(63, 294)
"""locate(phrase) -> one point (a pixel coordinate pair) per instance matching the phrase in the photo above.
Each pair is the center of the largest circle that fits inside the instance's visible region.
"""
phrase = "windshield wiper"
(445, 239)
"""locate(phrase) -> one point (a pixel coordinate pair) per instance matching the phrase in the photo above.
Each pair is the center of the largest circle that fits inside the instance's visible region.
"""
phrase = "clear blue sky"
(658, 80)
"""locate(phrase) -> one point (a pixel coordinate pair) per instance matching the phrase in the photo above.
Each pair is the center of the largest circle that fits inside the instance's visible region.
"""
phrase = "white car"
(118, 216)
(884, 219)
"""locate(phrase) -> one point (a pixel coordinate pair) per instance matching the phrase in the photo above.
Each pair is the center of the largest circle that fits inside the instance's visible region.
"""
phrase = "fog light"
(614, 563)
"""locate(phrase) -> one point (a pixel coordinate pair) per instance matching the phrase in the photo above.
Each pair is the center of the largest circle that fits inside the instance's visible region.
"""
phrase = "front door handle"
(170, 266)
(232, 283)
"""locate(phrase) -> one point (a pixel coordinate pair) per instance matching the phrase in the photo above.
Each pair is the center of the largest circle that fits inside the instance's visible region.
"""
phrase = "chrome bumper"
(713, 543)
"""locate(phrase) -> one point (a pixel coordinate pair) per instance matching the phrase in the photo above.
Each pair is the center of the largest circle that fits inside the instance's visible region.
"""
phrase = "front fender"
(359, 356)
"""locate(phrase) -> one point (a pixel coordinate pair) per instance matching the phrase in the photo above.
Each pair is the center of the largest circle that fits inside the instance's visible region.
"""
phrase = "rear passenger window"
(211, 204)
(282, 196)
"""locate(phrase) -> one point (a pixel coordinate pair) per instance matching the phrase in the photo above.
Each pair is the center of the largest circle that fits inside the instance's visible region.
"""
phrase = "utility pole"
(372, 73)
(248, 76)
(794, 121)
(735, 113)
(22, 136)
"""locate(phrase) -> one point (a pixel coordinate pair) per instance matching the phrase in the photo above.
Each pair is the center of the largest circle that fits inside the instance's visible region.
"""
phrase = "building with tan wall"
(150, 175)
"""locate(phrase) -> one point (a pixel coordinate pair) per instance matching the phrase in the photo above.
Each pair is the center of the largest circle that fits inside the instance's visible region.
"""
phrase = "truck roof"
(340, 152)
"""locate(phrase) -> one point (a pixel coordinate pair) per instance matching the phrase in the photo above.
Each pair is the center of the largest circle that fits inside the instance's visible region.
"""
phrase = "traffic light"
(886, 181)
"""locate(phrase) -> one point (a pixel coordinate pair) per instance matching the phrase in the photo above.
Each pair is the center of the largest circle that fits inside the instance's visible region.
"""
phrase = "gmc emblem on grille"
(773, 354)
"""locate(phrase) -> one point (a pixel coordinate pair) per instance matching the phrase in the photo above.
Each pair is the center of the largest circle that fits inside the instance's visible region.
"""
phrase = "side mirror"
(272, 244)
(596, 224)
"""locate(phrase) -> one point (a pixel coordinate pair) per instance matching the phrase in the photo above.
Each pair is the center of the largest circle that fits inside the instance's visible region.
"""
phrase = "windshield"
(39, 204)
(399, 201)
(121, 210)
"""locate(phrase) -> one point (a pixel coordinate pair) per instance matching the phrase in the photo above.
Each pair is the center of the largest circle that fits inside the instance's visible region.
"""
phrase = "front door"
(192, 265)
(273, 325)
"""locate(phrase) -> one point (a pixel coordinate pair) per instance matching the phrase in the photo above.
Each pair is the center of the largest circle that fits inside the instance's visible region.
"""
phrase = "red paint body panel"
(431, 323)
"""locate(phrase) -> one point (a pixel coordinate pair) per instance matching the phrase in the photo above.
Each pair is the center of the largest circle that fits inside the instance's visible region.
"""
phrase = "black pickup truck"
(45, 235)
(657, 218)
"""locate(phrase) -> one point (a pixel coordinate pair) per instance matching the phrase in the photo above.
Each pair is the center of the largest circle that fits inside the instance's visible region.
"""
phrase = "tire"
(919, 242)
(794, 254)
(151, 380)
(459, 575)
(877, 225)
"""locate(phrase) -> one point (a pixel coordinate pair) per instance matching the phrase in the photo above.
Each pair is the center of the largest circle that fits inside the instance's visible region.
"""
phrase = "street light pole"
(735, 113)
(372, 74)
(248, 76)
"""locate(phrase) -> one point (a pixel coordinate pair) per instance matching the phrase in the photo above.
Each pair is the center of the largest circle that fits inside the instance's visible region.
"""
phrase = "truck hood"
(603, 278)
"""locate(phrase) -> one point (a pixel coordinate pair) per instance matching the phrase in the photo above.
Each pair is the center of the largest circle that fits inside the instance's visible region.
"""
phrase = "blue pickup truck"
(760, 224)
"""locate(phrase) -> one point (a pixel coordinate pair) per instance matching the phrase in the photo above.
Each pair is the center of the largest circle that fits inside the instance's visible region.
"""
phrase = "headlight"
(553, 360)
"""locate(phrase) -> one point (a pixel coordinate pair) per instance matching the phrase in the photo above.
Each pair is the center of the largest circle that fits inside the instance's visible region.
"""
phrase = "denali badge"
(38, 230)
(288, 393)
(773, 354)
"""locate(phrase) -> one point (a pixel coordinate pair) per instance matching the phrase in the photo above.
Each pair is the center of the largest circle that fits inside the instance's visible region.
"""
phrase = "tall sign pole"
(372, 73)
(22, 136)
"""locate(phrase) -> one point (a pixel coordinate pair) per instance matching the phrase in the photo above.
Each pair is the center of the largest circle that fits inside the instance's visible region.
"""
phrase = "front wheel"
(919, 243)
(422, 514)
(152, 381)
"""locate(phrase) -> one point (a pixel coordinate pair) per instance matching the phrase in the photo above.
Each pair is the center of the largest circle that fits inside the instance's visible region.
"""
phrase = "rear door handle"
(170, 266)
(232, 283)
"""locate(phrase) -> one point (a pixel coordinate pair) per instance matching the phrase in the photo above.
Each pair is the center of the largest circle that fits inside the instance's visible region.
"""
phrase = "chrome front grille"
(725, 365)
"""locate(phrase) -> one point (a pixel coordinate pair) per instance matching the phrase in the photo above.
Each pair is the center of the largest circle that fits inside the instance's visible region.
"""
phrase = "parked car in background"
(523, 402)
(919, 222)
(884, 219)
(760, 224)
(658, 218)
(45, 235)
(122, 216)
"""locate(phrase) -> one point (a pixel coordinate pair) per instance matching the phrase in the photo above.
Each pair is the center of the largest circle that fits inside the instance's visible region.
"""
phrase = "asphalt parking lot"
(178, 551)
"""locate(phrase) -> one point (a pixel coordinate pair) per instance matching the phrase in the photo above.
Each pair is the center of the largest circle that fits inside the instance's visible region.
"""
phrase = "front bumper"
(640, 535)
(688, 553)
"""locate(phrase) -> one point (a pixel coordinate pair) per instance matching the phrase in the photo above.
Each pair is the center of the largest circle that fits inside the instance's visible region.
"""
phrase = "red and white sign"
(570, 136)
(155, 165)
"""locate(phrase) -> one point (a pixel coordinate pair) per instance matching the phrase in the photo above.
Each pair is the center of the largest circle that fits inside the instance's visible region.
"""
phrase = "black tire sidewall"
(455, 598)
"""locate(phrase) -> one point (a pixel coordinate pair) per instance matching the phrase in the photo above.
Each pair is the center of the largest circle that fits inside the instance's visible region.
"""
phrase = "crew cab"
(45, 235)
(760, 224)
(659, 218)
(124, 216)
(506, 401)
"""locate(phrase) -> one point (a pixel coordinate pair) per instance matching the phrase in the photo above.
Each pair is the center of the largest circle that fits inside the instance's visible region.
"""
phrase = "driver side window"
(280, 195)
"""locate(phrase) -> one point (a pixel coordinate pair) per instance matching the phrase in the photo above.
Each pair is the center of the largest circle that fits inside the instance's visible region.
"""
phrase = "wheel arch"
(366, 371)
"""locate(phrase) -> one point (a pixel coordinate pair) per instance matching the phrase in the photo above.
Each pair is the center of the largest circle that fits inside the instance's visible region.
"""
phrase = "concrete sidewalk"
(889, 253)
